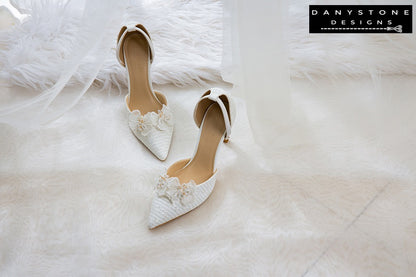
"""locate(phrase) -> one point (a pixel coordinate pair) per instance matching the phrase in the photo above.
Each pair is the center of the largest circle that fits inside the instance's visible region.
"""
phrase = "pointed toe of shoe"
(159, 143)
(161, 212)
(153, 129)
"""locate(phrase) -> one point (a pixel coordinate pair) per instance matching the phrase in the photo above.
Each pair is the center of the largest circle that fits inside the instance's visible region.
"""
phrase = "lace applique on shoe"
(172, 189)
(162, 120)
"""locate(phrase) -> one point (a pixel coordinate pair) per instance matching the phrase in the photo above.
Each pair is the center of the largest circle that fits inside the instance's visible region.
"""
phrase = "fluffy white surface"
(339, 201)
(187, 36)
(188, 41)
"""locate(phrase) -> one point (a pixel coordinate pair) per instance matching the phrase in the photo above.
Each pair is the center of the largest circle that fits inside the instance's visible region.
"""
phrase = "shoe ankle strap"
(224, 101)
(122, 35)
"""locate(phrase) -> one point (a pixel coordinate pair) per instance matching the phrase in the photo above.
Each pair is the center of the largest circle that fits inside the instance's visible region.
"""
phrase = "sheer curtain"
(255, 60)
(326, 116)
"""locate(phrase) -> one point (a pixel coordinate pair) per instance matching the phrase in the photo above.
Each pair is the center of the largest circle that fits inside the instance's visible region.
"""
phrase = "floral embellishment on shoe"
(165, 118)
(174, 191)
(144, 124)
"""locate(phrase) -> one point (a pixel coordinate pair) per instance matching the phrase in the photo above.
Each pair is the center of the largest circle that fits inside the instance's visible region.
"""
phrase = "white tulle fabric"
(153, 129)
(30, 109)
(256, 61)
(173, 199)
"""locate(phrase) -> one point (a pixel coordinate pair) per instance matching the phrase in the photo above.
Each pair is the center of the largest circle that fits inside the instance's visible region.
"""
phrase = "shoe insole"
(201, 166)
(136, 55)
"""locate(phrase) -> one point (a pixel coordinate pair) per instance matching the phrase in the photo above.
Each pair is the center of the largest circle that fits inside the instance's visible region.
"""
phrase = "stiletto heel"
(188, 183)
(150, 118)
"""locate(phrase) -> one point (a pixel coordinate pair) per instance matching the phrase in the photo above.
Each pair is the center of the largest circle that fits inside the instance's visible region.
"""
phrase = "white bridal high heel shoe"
(150, 118)
(188, 183)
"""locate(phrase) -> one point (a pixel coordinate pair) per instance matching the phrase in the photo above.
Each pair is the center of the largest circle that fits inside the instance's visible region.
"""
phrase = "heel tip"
(226, 140)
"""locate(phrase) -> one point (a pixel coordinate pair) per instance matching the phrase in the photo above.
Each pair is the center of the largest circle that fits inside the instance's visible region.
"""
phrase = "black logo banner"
(393, 19)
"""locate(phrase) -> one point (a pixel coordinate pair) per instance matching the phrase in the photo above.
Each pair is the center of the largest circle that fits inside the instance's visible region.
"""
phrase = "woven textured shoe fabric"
(173, 199)
(154, 130)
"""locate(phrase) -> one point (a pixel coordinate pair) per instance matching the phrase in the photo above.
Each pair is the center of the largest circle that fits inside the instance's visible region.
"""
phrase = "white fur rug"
(187, 37)
(339, 199)
(188, 41)
(75, 195)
